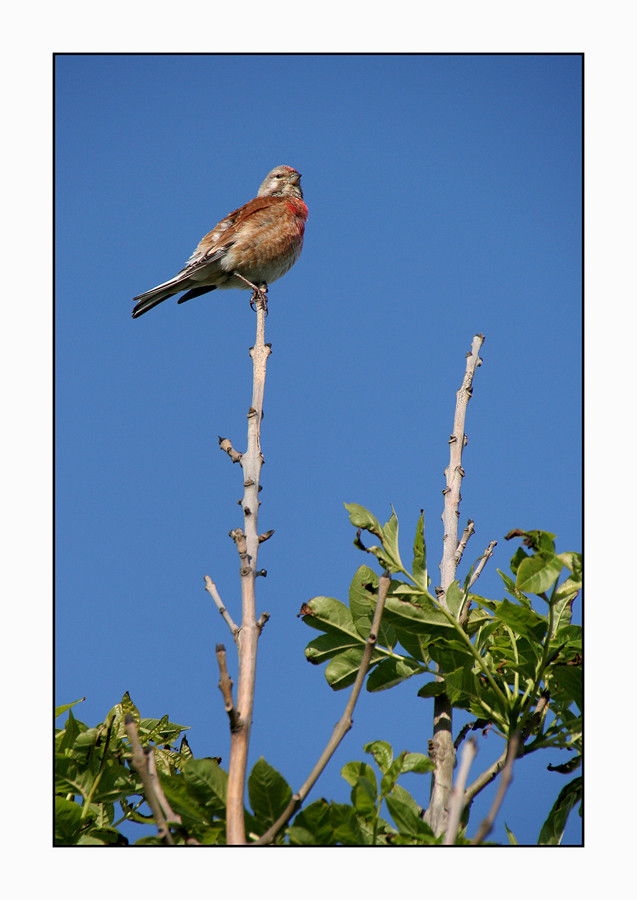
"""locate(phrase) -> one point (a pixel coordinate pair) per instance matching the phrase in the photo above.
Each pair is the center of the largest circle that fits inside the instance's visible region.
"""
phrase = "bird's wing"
(217, 242)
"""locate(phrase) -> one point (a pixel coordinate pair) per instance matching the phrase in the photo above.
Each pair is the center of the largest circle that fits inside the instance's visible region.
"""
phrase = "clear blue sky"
(444, 197)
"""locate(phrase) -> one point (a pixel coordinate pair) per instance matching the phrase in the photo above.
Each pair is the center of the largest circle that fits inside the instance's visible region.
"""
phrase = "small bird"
(250, 248)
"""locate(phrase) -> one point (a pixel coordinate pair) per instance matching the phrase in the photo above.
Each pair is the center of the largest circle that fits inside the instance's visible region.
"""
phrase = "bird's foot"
(259, 292)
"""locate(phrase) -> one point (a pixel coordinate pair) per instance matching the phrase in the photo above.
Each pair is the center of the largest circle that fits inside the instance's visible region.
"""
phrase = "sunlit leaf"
(538, 573)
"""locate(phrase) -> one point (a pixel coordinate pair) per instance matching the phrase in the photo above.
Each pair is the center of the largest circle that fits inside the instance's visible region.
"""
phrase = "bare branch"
(507, 777)
(463, 615)
(247, 542)
(488, 553)
(225, 686)
(163, 802)
(441, 747)
(211, 587)
(466, 534)
(454, 473)
(343, 725)
(457, 801)
(139, 761)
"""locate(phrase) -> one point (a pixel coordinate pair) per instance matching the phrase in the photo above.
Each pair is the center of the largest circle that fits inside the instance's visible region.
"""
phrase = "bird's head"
(284, 181)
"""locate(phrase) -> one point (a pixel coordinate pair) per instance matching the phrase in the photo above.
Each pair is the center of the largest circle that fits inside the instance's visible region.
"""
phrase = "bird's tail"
(168, 289)
(151, 298)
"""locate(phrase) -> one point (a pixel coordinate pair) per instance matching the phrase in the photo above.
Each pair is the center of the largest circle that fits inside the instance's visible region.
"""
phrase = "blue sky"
(444, 197)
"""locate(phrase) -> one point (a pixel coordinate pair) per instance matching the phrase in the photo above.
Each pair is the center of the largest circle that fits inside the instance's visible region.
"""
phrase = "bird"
(250, 248)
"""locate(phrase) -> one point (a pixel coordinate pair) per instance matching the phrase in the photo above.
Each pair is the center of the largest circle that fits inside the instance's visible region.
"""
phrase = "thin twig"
(165, 805)
(171, 816)
(139, 761)
(466, 534)
(225, 686)
(343, 725)
(211, 587)
(507, 777)
(488, 553)
(456, 803)
(463, 614)
(485, 777)
(161, 797)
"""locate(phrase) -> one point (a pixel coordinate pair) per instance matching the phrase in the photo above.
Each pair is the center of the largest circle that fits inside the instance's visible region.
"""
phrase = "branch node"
(226, 445)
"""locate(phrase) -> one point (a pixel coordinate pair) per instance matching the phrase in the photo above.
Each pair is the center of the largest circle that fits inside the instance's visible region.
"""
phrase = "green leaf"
(511, 589)
(406, 814)
(453, 598)
(415, 645)
(268, 791)
(419, 565)
(66, 737)
(569, 681)
(522, 620)
(353, 771)
(102, 837)
(326, 646)
(363, 592)
(413, 614)
(461, 683)
(538, 573)
(390, 540)
(312, 826)
(364, 794)
(59, 710)
(432, 689)
(363, 595)
(517, 558)
(535, 539)
(451, 654)
(382, 753)
(573, 562)
(362, 518)
(207, 783)
(346, 826)
(160, 731)
(553, 829)
(82, 776)
(194, 803)
(512, 838)
(342, 670)
(328, 614)
(68, 821)
(562, 606)
(390, 672)
(416, 762)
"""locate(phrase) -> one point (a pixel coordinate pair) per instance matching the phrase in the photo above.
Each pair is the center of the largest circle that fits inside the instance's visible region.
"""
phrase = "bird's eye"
(279, 175)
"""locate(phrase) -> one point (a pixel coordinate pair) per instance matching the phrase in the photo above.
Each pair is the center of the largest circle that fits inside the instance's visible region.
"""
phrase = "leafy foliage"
(512, 663)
